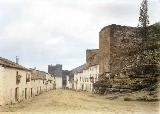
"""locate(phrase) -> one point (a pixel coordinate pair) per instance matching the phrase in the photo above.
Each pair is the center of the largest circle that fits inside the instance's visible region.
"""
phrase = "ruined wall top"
(114, 26)
(92, 57)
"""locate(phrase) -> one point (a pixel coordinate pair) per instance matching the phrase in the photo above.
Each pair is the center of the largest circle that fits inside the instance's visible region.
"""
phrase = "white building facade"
(58, 82)
(42, 82)
(69, 82)
(85, 79)
(18, 83)
(50, 82)
(15, 82)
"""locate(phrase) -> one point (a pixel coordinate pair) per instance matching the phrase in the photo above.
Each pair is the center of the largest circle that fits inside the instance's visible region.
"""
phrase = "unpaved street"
(65, 101)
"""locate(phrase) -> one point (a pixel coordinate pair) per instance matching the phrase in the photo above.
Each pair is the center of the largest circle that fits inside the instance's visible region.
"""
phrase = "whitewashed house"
(57, 71)
(78, 82)
(18, 83)
(85, 79)
(50, 82)
(69, 82)
(58, 82)
(42, 82)
(38, 82)
(15, 82)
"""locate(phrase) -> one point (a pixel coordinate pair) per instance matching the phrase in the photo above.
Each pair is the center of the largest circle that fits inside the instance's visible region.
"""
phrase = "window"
(18, 78)
(27, 78)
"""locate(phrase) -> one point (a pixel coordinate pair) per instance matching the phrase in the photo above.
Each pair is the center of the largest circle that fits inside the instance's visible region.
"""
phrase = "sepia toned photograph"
(80, 56)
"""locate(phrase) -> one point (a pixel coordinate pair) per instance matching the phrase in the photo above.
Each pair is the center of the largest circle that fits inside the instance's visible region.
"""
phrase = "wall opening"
(31, 92)
(16, 94)
(25, 93)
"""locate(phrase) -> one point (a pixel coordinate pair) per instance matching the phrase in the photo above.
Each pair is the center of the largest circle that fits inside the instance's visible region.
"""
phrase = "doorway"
(25, 93)
(82, 86)
(31, 93)
(40, 89)
(37, 90)
(16, 94)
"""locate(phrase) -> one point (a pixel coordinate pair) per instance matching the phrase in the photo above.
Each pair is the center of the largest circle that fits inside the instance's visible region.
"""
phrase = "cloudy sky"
(43, 32)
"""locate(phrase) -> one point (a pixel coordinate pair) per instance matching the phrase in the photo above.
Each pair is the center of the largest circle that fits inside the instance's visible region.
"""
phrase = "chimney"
(17, 59)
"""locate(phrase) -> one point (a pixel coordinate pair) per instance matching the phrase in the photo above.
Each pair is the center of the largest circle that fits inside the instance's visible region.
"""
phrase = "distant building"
(68, 83)
(87, 74)
(65, 78)
(38, 82)
(56, 69)
(84, 79)
(50, 82)
(58, 72)
(41, 82)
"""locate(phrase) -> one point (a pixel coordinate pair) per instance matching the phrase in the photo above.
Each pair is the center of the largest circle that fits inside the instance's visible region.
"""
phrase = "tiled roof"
(7, 63)
(79, 69)
(35, 74)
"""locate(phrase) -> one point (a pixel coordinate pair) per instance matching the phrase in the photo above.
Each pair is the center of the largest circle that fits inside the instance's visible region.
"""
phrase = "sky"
(44, 32)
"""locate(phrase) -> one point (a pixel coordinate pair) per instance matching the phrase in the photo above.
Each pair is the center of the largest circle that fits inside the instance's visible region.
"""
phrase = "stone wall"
(104, 49)
(127, 63)
(92, 57)
(125, 45)
(118, 48)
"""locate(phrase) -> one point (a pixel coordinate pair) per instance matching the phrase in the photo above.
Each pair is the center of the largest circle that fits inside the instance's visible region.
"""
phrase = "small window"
(27, 78)
(18, 78)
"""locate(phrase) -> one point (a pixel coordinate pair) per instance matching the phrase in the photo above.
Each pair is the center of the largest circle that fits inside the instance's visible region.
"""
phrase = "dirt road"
(71, 102)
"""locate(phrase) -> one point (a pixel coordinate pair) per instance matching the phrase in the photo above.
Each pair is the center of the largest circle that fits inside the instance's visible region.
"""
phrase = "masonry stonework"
(118, 48)
(125, 64)
(92, 56)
